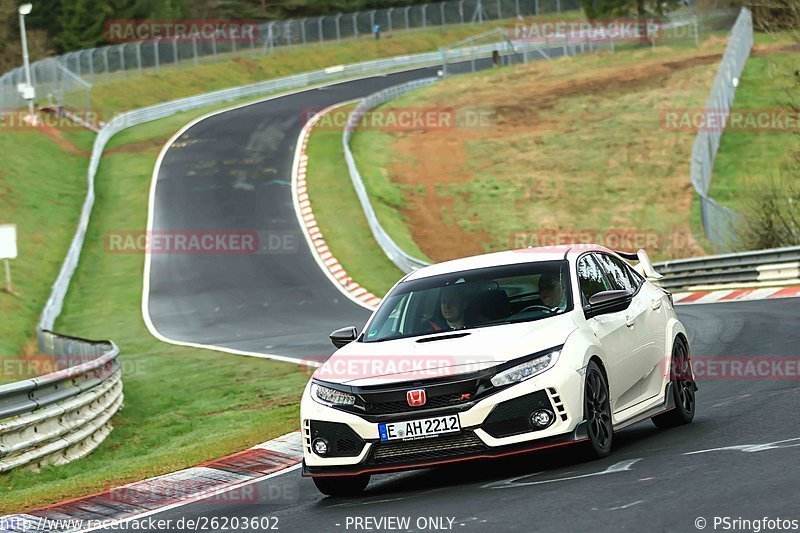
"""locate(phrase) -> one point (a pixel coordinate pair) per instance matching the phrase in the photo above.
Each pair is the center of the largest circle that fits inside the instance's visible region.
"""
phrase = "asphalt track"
(231, 171)
(650, 482)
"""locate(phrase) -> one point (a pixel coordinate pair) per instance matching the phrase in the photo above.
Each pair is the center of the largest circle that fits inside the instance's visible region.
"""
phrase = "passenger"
(551, 293)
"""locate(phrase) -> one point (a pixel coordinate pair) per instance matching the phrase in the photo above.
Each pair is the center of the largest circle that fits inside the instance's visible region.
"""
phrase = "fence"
(720, 223)
(67, 79)
(509, 52)
(63, 415)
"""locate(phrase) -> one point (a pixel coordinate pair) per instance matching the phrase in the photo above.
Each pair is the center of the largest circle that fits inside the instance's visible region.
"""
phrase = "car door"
(610, 329)
(645, 355)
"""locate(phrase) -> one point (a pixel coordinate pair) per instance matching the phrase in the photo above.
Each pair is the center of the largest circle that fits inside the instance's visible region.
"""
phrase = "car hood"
(442, 354)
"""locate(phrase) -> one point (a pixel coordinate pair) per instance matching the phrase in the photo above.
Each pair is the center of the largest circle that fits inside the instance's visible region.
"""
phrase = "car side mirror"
(344, 336)
(607, 302)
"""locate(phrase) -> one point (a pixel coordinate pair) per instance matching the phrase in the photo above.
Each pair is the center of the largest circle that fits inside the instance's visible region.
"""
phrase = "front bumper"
(491, 428)
(484, 452)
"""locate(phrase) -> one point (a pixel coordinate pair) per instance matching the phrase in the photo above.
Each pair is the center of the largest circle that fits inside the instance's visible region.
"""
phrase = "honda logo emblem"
(416, 398)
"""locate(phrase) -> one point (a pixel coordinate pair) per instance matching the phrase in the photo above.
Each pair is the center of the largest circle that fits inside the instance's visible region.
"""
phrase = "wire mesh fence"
(68, 78)
(719, 222)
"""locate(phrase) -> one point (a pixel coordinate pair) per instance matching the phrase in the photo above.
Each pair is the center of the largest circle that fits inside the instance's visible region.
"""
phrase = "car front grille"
(386, 408)
(431, 448)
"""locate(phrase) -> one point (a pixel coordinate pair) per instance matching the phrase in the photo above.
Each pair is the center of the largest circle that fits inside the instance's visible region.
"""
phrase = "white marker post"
(8, 248)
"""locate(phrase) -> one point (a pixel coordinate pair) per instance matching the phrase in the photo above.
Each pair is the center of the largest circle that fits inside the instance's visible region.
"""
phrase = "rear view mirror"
(344, 336)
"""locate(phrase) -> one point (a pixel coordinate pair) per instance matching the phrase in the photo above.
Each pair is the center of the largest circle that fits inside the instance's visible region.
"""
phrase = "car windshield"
(472, 299)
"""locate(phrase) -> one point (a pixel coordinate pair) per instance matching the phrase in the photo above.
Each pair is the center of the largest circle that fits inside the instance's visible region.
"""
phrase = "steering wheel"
(543, 308)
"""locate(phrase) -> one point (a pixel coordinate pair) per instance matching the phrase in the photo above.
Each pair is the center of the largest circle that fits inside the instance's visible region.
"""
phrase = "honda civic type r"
(496, 355)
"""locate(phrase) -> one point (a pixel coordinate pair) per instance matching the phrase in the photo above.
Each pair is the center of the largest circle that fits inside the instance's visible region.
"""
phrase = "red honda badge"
(416, 398)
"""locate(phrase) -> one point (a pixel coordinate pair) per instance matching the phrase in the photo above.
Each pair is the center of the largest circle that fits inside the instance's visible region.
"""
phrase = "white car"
(495, 355)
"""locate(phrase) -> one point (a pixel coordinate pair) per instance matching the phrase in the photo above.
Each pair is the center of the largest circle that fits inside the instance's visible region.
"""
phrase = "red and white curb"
(319, 248)
(734, 295)
(215, 480)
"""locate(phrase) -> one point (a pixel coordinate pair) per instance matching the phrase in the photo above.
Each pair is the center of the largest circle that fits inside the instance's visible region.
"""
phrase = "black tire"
(342, 486)
(683, 389)
(597, 413)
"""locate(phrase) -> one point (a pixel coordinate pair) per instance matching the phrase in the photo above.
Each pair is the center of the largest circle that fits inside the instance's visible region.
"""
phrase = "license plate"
(419, 429)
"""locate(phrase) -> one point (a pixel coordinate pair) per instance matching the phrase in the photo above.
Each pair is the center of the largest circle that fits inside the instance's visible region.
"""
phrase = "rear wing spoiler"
(643, 265)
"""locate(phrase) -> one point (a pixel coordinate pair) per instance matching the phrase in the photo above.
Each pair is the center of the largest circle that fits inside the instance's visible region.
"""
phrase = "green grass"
(331, 193)
(42, 195)
(557, 157)
(182, 405)
(119, 93)
(373, 152)
(749, 160)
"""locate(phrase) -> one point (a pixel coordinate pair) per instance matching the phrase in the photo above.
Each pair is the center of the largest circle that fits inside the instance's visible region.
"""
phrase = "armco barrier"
(63, 415)
(404, 261)
(509, 51)
(777, 266)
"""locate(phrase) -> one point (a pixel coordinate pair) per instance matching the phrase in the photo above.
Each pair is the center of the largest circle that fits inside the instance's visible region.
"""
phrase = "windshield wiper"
(443, 337)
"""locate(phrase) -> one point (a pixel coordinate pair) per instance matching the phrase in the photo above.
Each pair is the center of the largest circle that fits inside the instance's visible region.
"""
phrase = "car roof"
(509, 257)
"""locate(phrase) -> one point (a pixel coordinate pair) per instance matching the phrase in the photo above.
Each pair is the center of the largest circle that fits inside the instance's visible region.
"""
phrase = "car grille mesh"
(432, 448)
(402, 406)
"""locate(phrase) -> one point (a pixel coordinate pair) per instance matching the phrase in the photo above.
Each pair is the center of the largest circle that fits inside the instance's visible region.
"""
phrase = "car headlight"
(331, 396)
(525, 370)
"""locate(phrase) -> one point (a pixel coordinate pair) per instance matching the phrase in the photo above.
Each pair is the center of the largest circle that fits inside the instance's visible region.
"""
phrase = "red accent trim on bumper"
(389, 468)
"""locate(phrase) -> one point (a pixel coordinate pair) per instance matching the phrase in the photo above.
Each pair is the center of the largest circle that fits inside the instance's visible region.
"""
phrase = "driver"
(551, 293)
(452, 304)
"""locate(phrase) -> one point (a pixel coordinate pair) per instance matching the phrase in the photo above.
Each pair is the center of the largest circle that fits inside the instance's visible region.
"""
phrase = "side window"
(590, 277)
(619, 274)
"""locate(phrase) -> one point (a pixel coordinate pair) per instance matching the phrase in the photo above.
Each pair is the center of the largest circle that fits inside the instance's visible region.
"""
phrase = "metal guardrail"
(63, 415)
(68, 78)
(772, 266)
(521, 51)
(404, 261)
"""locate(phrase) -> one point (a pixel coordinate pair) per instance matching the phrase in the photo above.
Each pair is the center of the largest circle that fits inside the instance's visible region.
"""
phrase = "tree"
(81, 24)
